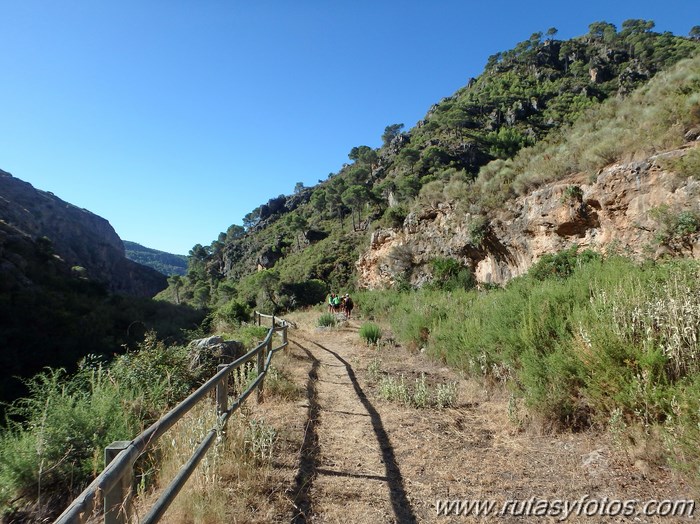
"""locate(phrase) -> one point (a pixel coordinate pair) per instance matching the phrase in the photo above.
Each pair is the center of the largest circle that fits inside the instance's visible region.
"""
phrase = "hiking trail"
(345, 454)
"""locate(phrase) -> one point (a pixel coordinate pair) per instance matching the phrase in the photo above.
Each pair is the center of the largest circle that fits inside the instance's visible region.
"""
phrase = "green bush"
(421, 395)
(394, 216)
(686, 166)
(449, 274)
(278, 384)
(234, 312)
(572, 194)
(160, 373)
(477, 229)
(561, 264)
(68, 422)
(446, 395)
(375, 304)
(327, 320)
(595, 342)
(370, 333)
(674, 227)
(249, 335)
(307, 293)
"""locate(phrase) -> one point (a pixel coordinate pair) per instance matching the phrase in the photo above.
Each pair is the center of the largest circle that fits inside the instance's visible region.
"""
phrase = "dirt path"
(358, 458)
(348, 464)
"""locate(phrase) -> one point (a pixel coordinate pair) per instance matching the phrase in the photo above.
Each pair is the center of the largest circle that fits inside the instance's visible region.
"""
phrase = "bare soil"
(344, 454)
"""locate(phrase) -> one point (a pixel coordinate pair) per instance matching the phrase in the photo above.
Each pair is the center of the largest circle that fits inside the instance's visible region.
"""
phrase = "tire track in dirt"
(365, 459)
(348, 465)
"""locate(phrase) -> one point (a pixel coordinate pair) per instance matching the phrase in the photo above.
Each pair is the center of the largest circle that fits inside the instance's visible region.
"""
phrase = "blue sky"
(173, 119)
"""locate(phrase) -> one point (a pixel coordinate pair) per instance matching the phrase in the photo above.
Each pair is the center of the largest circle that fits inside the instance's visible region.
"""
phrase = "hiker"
(336, 303)
(347, 305)
(330, 302)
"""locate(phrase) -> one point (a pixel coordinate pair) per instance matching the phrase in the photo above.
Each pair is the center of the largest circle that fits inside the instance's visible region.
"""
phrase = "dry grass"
(237, 480)
(475, 449)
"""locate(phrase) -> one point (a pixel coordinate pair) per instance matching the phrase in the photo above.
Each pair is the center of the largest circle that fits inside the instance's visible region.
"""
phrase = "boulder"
(692, 134)
(206, 353)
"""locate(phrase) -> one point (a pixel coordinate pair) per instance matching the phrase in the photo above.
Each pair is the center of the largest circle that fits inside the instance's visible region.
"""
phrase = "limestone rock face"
(607, 214)
(77, 236)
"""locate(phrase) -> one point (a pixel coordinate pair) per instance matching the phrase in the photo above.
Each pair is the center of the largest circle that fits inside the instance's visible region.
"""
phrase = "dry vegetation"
(342, 453)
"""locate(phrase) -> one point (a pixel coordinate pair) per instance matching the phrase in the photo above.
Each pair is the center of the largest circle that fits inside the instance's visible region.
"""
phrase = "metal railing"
(112, 491)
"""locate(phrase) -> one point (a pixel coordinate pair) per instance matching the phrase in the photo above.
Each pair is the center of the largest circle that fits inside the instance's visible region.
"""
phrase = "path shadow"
(309, 449)
(399, 500)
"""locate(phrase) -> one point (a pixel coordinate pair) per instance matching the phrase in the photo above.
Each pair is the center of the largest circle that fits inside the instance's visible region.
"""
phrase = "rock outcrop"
(208, 352)
(77, 236)
(610, 213)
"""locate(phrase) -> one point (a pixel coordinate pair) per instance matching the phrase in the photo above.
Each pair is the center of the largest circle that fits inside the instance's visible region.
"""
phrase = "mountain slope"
(464, 151)
(79, 237)
(58, 264)
(165, 263)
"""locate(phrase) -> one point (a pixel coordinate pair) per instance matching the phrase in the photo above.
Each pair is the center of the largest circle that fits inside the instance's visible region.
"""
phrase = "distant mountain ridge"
(80, 238)
(162, 261)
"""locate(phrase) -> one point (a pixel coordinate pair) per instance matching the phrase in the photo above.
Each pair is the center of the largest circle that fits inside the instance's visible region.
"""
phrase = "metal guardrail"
(112, 490)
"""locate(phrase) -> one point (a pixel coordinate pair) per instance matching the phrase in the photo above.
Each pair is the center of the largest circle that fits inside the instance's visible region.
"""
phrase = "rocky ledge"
(610, 212)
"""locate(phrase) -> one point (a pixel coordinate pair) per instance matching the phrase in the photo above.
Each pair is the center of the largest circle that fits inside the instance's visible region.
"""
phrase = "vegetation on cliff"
(540, 111)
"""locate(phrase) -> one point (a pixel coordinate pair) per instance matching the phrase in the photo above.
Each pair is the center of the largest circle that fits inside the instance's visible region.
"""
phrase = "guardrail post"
(222, 392)
(118, 500)
(261, 368)
(257, 318)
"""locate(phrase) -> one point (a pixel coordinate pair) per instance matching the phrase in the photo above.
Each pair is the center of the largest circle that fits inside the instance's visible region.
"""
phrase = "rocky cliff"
(626, 208)
(77, 236)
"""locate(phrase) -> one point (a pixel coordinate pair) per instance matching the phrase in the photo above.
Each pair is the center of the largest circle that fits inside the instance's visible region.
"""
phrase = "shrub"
(674, 228)
(394, 216)
(307, 293)
(420, 393)
(234, 312)
(249, 335)
(327, 320)
(374, 369)
(278, 383)
(393, 389)
(446, 395)
(449, 274)
(686, 166)
(69, 421)
(160, 373)
(478, 229)
(377, 303)
(572, 194)
(370, 333)
(260, 438)
(561, 264)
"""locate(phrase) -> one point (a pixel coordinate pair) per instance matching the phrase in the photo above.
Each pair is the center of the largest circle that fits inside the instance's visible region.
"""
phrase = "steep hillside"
(58, 264)
(81, 238)
(165, 263)
(469, 153)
